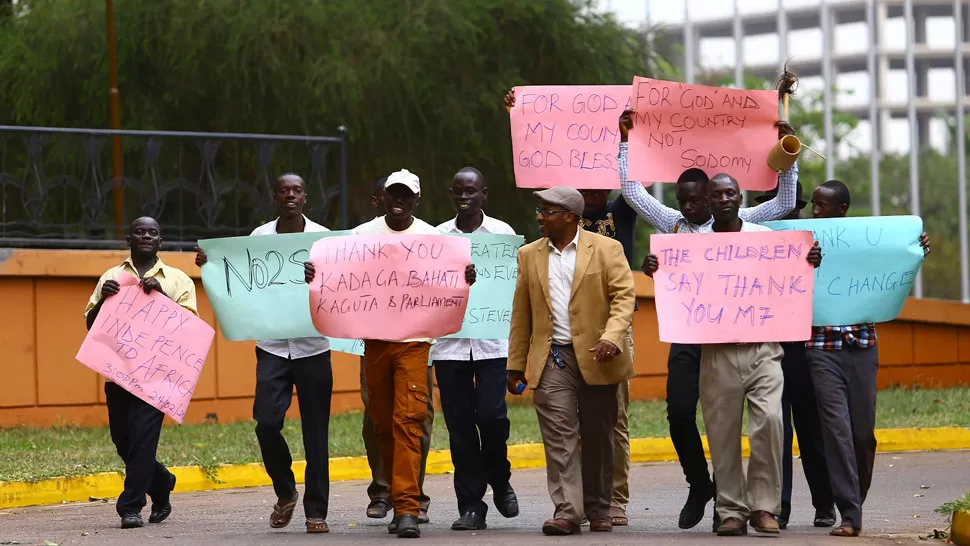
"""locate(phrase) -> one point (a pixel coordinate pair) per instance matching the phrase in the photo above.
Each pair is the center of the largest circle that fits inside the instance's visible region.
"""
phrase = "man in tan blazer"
(571, 315)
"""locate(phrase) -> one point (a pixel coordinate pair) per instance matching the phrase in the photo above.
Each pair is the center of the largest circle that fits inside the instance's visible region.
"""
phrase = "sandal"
(845, 530)
(282, 515)
(317, 525)
(619, 521)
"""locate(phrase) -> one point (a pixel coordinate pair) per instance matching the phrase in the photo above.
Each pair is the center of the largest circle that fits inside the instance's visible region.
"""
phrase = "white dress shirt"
(417, 227)
(562, 269)
(300, 347)
(473, 349)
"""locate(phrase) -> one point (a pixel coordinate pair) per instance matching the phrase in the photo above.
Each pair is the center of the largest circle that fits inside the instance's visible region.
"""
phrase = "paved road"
(906, 489)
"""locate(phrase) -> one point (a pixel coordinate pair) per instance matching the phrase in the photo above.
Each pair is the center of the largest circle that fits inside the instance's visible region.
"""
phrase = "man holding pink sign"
(735, 370)
(135, 425)
(396, 362)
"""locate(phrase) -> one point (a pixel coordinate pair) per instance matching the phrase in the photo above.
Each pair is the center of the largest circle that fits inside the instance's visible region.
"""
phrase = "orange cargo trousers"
(396, 377)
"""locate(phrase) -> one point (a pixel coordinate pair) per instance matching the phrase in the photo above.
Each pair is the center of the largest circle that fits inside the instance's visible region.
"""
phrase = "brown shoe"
(560, 527)
(601, 525)
(732, 527)
(845, 530)
(317, 525)
(618, 516)
(764, 522)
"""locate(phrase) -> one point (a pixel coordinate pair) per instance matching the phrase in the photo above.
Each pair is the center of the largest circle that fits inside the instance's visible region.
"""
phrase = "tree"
(418, 83)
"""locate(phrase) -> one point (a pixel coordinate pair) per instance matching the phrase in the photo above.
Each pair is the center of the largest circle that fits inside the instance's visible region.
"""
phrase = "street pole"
(114, 107)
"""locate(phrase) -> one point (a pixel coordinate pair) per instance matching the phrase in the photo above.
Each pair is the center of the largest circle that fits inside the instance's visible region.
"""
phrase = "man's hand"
(784, 129)
(650, 265)
(470, 274)
(509, 100)
(309, 272)
(815, 255)
(924, 241)
(513, 378)
(604, 351)
(109, 288)
(151, 283)
(626, 124)
(200, 257)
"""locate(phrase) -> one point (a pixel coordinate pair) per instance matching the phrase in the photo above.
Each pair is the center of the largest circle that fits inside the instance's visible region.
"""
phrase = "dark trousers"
(798, 404)
(845, 390)
(135, 427)
(473, 401)
(379, 488)
(683, 374)
(313, 378)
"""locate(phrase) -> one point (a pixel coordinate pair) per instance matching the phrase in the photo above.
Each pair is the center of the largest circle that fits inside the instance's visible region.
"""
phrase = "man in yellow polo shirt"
(135, 425)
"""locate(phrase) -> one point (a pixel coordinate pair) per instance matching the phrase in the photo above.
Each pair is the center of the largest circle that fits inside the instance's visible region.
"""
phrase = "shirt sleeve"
(780, 205)
(659, 215)
(96, 295)
(186, 296)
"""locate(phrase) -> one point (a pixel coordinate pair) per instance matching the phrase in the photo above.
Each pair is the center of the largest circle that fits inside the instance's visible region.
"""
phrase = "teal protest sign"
(257, 289)
(489, 311)
(868, 266)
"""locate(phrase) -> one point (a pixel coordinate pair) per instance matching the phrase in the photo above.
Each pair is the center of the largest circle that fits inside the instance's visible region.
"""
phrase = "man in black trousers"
(135, 425)
(282, 364)
(798, 404)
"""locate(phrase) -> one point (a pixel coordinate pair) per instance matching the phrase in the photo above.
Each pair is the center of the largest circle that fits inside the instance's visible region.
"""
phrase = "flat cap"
(564, 196)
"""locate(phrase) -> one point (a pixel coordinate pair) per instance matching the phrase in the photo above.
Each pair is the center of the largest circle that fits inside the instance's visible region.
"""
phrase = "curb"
(193, 478)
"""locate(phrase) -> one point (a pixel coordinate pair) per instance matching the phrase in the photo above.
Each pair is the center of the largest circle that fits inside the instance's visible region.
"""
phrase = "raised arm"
(647, 206)
(777, 207)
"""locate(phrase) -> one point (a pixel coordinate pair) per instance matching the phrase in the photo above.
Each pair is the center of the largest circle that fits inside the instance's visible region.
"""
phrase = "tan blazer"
(600, 307)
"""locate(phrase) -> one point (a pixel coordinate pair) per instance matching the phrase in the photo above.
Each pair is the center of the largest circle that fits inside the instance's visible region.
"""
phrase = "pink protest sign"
(389, 287)
(733, 287)
(678, 126)
(148, 345)
(567, 135)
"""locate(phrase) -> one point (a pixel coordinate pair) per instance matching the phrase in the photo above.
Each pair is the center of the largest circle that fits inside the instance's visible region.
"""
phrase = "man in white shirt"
(730, 375)
(379, 491)
(396, 370)
(281, 364)
(471, 383)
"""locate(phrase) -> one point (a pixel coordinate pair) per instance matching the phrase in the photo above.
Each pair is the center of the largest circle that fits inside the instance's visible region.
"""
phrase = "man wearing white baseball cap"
(396, 371)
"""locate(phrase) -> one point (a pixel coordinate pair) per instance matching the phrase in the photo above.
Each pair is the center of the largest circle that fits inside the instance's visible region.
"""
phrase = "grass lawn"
(38, 453)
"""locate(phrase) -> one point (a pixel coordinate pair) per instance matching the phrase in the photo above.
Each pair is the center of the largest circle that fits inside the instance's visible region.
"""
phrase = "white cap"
(405, 177)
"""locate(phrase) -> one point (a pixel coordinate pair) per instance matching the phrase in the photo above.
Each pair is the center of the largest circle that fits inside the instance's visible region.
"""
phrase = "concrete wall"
(43, 293)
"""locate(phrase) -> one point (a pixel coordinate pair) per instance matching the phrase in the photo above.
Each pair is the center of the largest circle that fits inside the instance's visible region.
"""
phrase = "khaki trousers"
(378, 488)
(576, 421)
(621, 441)
(396, 376)
(731, 374)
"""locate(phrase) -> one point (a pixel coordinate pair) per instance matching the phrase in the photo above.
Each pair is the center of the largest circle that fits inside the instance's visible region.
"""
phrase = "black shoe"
(378, 508)
(392, 526)
(825, 519)
(469, 521)
(407, 527)
(505, 501)
(696, 505)
(131, 520)
(783, 522)
(159, 515)
(717, 521)
(163, 507)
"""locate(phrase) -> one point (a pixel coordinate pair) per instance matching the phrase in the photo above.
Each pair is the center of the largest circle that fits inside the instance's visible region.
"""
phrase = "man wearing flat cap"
(572, 307)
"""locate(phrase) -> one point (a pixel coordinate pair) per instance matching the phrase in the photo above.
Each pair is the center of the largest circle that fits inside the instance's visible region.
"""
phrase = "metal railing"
(56, 187)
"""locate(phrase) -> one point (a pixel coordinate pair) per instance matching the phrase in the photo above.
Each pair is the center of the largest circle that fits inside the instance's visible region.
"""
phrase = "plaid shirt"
(831, 338)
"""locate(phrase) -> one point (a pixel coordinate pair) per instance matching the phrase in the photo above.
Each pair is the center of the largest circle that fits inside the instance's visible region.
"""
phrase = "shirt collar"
(306, 223)
(452, 225)
(159, 267)
(574, 242)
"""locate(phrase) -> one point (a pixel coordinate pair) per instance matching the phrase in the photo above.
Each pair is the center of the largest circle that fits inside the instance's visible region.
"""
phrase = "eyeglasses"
(549, 212)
